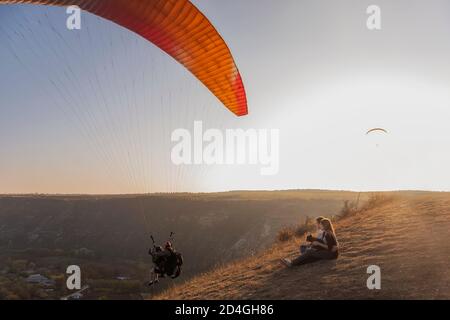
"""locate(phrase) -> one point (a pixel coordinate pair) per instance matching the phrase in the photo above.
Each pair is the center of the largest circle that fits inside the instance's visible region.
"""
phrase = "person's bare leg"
(153, 277)
(305, 258)
(287, 262)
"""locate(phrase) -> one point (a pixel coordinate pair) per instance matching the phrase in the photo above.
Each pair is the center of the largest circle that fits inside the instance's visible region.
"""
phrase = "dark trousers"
(303, 248)
(314, 255)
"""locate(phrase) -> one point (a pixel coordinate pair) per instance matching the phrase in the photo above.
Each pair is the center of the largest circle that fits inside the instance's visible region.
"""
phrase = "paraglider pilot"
(166, 262)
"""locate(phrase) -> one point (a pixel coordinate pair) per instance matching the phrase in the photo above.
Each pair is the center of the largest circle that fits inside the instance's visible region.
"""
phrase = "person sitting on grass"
(330, 249)
(310, 239)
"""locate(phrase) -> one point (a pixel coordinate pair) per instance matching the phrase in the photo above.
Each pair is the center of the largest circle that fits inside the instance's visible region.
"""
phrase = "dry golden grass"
(405, 234)
(285, 234)
(372, 201)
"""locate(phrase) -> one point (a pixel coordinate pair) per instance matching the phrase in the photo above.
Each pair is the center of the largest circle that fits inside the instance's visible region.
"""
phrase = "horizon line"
(209, 193)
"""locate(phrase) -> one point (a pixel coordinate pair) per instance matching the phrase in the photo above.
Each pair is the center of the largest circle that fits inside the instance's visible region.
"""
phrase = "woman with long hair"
(325, 251)
(310, 239)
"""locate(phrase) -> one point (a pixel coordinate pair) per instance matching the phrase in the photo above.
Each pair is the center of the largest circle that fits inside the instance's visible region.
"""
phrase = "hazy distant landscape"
(109, 236)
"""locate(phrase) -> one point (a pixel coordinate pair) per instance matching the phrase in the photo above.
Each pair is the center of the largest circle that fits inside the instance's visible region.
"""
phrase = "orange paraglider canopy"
(179, 29)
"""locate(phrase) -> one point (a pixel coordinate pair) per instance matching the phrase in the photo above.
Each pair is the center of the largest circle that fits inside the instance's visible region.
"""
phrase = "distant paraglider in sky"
(178, 28)
(381, 130)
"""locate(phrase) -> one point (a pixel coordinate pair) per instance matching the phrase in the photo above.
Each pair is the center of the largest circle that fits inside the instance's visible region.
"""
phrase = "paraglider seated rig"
(166, 261)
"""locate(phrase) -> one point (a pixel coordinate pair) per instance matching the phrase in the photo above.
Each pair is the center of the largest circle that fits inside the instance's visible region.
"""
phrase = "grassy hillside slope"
(407, 235)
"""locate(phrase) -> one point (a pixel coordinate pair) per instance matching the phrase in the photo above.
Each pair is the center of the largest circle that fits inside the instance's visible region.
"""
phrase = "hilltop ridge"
(400, 234)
